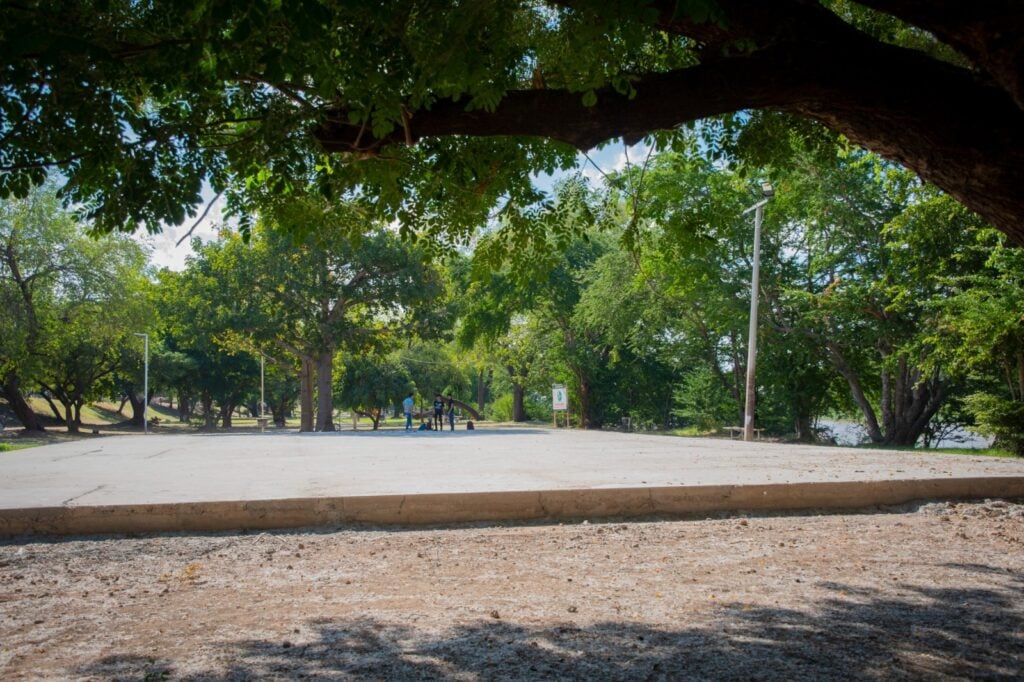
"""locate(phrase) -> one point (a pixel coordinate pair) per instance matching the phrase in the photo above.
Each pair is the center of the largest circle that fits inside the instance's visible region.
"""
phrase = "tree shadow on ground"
(913, 632)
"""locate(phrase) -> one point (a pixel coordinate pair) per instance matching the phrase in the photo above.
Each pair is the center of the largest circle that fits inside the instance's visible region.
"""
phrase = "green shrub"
(536, 409)
(1001, 418)
(501, 409)
(703, 402)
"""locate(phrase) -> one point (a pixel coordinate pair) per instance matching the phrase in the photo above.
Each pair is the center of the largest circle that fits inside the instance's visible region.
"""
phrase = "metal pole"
(748, 410)
(261, 386)
(145, 387)
(145, 383)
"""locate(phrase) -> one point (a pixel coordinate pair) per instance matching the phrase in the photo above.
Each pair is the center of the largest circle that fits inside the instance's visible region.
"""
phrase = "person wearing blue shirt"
(407, 406)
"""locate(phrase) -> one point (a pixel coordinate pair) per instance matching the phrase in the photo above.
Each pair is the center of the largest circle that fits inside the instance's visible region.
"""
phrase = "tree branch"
(990, 33)
(201, 218)
(662, 101)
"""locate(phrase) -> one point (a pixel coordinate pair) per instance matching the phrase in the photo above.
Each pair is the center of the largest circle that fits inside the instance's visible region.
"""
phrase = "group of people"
(443, 407)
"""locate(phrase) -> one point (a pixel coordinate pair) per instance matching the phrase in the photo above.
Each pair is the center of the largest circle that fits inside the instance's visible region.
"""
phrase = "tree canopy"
(439, 111)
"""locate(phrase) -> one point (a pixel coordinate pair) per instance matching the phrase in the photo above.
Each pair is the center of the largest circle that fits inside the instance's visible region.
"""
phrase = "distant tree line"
(882, 299)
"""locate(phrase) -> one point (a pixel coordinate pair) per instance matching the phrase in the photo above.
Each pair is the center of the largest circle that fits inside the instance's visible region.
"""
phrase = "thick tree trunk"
(277, 410)
(481, 392)
(518, 406)
(802, 428)
(306, 408)
(210, 420)
(11, 390)
(184, 408)
(919, 400)
(138, 409)
(226, 412)
(69, 418)
(325, 392)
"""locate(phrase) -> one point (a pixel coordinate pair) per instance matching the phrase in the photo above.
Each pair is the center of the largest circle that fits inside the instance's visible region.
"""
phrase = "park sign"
(559, 397)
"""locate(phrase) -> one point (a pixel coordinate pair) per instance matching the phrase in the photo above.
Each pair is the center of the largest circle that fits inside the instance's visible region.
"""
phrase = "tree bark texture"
(184, 408)
(138, 409)
(306, 408)
(908, 400)
(481, 390)
(225, 415)
(518, 406)
(209, 419)
(11, 390)
(278, 411)
(69, 417)
(325, 392)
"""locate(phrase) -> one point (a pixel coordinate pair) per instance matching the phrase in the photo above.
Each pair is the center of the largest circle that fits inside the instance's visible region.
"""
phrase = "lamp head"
(767, 190)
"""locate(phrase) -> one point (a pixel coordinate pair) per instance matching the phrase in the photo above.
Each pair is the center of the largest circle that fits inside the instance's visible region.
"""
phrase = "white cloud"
(611, 159)
(597, 163)
(166, 252)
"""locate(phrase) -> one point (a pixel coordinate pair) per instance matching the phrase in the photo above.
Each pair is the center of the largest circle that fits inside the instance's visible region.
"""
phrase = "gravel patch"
(933, 591)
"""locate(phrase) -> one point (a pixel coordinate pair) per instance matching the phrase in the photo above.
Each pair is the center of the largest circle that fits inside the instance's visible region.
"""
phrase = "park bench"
(737, 432)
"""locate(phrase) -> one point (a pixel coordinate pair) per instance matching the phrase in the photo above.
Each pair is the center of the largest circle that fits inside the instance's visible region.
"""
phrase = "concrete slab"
(226, 481)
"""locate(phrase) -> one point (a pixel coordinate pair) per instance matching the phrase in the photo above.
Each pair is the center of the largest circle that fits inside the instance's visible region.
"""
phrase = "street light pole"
(261, 385)
(145, 384)
(755, 283)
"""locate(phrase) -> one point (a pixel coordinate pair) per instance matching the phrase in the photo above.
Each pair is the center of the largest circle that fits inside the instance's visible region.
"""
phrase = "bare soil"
(927, 592)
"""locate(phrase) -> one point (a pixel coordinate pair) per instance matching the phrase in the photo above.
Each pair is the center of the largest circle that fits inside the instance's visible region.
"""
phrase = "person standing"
(407, 405)
(451, 413)
(438, 412)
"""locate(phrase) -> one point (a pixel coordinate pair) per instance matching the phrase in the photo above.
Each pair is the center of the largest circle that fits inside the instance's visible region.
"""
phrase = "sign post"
(559, 401)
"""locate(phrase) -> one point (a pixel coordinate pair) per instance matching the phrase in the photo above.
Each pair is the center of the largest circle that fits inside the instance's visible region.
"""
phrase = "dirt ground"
(921, 592)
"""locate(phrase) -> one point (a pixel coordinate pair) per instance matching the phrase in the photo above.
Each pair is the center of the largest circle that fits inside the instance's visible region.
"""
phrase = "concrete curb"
(443, 508)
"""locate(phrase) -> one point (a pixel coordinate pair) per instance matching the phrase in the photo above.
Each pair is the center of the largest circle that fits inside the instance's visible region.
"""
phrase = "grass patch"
(975, 452)
(11, 447)
(686, 432)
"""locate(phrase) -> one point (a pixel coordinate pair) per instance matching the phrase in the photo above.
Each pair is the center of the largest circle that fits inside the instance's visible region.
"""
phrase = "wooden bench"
(737, 432)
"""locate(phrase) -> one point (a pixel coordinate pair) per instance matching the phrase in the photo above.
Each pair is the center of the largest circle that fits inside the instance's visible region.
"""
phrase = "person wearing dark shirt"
(438, 412)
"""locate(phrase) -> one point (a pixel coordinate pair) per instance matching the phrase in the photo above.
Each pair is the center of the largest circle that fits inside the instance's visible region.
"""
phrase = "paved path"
(337, 468)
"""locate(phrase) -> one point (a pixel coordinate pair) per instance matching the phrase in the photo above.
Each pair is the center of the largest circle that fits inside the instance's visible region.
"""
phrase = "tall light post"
(748, 410)
(145, 384)
(261, 385)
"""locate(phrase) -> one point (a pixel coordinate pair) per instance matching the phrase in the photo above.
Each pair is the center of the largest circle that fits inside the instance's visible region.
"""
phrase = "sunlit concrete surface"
(212, 481)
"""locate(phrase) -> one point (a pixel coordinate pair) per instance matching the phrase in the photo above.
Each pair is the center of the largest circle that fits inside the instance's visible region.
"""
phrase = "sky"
(166, 252)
